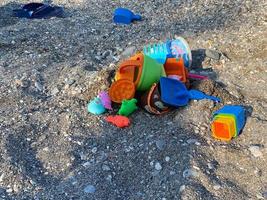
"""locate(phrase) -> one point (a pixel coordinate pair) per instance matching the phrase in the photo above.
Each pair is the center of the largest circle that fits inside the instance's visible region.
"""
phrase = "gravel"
(51, 148)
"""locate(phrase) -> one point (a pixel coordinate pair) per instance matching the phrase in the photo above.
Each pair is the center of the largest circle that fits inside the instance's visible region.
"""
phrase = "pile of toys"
(158, 80)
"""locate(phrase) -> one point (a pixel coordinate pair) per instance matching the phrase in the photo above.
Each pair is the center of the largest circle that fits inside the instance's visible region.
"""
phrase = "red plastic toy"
(118, 120)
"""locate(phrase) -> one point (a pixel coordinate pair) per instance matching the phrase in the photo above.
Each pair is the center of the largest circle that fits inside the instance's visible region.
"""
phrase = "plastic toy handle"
(195, 76)
(128, 63)
(137, 17)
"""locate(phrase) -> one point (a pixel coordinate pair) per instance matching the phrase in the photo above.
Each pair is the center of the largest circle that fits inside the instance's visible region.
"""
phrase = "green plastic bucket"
(151, 73)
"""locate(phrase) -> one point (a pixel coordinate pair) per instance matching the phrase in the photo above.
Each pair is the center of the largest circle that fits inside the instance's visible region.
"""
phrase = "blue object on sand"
(234, 110)
(198, 95)
(158, 51)
(96, 107)
(38, 11)
(174, 93)
(125, 16)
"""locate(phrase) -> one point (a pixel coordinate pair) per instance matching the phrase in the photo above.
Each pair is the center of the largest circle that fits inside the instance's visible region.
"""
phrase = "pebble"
(39, 86)
(172, 173)
(196, 131)
(210, 166)
(216, 187)
(86, 164)
(255, 151)
(191, 141)
(158, 166)
(182, 188)
(213, 54)
(94, 150)
(89, 189)
(167, 158)
(190, 173)
(69, 81)
(2, 177)
(9, 190)
(128, 52)
(160, 144)
(105, 168)
(54, 91)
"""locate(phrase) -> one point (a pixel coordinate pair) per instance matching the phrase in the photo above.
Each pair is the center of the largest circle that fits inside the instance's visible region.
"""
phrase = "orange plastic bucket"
(174, 66)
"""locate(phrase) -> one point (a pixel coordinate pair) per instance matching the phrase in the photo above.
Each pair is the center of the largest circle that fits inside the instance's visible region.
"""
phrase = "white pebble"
(94, 150)
(167, 158)
(158, 166)
(89, 189)
(255, 151)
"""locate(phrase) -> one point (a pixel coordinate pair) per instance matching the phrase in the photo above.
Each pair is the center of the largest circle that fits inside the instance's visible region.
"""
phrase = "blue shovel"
(174, 93)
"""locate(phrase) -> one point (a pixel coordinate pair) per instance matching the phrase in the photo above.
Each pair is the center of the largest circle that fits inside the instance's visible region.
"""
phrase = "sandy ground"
(51, 148)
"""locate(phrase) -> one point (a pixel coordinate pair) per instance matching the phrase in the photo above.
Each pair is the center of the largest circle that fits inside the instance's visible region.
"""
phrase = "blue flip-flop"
(38, 11)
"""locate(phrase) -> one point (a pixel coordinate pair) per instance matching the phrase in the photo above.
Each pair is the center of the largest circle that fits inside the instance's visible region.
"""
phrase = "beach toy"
(118, 120)
(105, 100)
(180, 49)
(151, 72)
(174, 66)
(234, 133)
(221, 129)
(158, 51)
(125, 16)
(174, 92)
(38, 11)
(121, 89)
(95, 107)
(151, 101)
(198, 95)
(128, 107)
(131, 70)
(196, 76)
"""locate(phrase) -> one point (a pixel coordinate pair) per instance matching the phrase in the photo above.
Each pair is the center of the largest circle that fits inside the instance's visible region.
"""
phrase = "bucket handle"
(128, 63)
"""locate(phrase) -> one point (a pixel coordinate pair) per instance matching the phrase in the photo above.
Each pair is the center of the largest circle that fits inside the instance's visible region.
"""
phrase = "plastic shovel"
(174, 93)
(198, 95)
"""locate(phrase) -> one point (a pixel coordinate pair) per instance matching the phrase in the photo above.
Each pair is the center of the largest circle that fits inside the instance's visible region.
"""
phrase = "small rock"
(210, 166)
(89, 189)
(190, 173)
(255, 151)
(128, 52)
(86, 164)
(182, 188)
(167, 158)
(55, 91)
(172, 173)
(69, 81)
(39, 86)
(216, 187)
(213, 54)
(160, 144)
(105, 168)
(94, 150)
(16, 188)
(191, 141)
(2, 177)
(259, 196)
(9, 190)
(158, 166)
(196, 131)
(109, 178)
